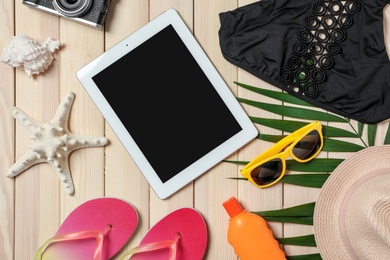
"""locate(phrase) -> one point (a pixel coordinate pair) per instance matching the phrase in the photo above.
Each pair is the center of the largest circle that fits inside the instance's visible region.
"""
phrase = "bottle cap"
(233, 207)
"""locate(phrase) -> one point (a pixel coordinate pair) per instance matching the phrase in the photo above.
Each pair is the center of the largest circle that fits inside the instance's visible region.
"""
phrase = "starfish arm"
(62, 169)
(62, 114)
(26, 161)
(28, 122)
(53, 142)
(78, 142)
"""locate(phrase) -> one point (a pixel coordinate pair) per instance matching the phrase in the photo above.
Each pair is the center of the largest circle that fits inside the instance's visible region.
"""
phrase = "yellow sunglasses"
(269, 167)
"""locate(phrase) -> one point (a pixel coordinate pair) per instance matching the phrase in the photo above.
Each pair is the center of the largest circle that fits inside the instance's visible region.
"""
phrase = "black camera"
(88, 12)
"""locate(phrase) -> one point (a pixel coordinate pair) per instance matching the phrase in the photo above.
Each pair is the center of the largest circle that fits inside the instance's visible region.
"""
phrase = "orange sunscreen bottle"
(250, 235)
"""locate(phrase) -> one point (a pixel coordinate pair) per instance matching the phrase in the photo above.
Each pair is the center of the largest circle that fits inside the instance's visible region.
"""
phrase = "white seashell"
(25, 53)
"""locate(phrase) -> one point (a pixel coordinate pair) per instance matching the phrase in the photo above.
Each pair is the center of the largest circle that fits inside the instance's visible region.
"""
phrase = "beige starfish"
(53, 142)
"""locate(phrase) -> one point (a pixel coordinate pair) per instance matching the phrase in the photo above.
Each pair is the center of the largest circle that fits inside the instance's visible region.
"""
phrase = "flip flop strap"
(98, 235)
(171, 244)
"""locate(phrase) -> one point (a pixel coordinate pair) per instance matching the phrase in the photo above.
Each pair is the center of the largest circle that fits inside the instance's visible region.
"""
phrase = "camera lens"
(72, 8)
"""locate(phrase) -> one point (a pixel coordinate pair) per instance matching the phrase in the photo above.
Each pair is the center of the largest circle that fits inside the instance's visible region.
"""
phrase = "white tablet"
(167, 103)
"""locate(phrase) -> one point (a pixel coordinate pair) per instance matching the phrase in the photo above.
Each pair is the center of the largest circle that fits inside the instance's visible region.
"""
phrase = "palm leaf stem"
(359, 132)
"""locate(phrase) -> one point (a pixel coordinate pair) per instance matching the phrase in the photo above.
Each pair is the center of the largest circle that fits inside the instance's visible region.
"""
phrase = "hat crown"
(364, 218)
(352, 212)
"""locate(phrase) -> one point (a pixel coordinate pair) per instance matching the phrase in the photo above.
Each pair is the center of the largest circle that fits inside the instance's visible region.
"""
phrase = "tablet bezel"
(248, 132)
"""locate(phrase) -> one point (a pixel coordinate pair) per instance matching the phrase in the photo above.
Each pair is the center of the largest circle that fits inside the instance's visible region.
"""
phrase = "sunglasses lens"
(267, 172)
(307, 146)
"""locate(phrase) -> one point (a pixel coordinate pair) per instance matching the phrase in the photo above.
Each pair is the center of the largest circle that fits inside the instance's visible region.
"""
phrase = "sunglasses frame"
(282, 150)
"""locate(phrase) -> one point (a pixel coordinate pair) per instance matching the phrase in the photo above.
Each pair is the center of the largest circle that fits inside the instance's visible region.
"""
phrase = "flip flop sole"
(193, 231)
(95, 214)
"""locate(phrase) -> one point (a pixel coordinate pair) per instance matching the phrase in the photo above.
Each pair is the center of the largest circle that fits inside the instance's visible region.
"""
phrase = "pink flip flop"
(97, 229)
(181, 235)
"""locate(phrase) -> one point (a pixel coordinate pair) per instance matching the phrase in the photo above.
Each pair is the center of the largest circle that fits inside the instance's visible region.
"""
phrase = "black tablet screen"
(167, 103)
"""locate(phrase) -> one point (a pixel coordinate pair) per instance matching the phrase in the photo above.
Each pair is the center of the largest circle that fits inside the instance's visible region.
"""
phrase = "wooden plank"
(122, 177)
(37, 189)
(87, 165)
(7, 138)
(214, 187)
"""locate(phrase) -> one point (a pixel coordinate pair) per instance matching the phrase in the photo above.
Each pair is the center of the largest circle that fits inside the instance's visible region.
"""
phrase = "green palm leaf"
(333, 145)
(371, 131)
(304, 210)
(294, 112)
(330, 145)
(291, 126)
(360, 128)
(281, 96)
(307, 240)
(315, 165)
(306, 180)
(295, 220)
(330, 131)
(387, 137)
(302, 214)
(237, 162)
(305, 257)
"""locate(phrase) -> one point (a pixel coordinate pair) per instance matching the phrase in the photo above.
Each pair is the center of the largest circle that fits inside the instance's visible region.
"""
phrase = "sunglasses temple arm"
(275, 149)
(289, 139)
(283, 143)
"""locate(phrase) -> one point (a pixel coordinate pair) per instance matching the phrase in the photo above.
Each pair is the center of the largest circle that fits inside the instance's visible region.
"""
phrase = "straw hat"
(352, 213)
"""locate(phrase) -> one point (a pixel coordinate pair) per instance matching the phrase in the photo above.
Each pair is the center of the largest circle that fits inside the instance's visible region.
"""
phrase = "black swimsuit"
(329, 53)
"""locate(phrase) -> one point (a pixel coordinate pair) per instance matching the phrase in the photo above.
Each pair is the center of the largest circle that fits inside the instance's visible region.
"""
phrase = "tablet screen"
(171, 109)
(167, 103)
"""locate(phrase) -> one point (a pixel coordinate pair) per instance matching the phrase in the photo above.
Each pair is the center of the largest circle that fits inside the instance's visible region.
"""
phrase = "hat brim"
(328, 215)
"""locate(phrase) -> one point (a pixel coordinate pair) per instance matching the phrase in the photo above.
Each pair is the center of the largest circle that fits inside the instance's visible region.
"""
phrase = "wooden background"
(34, 204)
